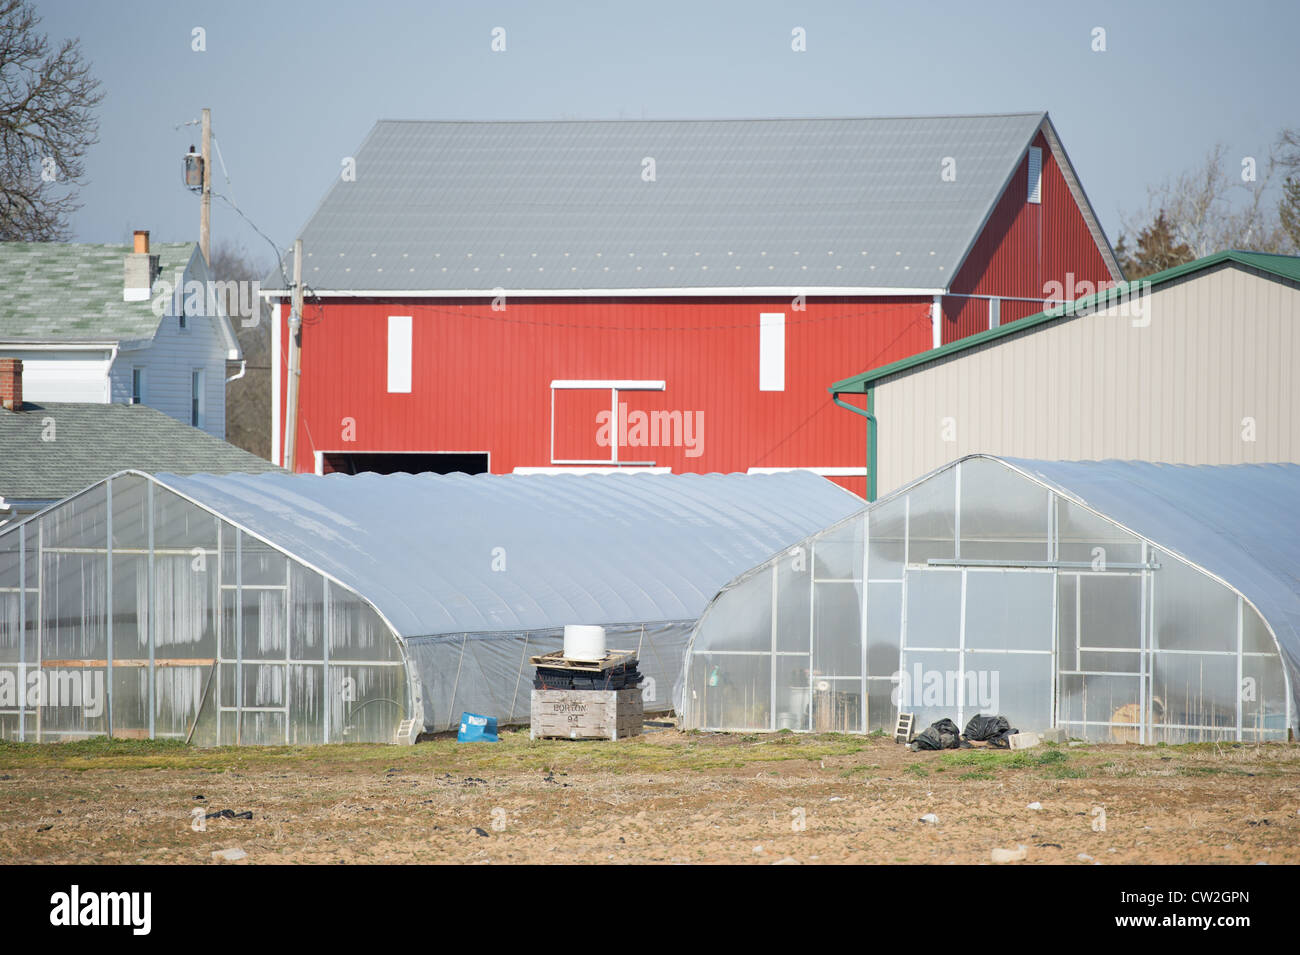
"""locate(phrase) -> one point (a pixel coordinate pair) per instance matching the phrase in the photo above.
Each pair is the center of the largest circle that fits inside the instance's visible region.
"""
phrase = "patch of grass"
(1065, 772)
(1211, 771)
(103, 746)
(917, 769)
(976, 774)
(855, 770)
(1003, 758)
(514, 752)
(1211, 747)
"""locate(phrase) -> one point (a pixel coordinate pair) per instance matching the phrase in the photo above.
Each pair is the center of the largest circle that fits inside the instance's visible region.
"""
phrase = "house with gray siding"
(113, 324)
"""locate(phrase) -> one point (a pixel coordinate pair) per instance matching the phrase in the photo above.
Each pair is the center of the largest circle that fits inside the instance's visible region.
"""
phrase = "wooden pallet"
(555, 661)
(586, 714)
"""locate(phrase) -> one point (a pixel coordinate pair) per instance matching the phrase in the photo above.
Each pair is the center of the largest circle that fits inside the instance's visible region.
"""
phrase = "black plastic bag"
(983, 727)
(1003, 739)
(942, 734)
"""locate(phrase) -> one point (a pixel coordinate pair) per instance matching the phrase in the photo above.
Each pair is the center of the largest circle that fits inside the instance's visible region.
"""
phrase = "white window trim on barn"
(615, 385)
(822, 471)
(771, 351)
(399, 354)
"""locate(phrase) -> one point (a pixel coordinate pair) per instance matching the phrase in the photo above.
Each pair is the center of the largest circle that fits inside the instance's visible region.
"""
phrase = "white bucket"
(584, 643)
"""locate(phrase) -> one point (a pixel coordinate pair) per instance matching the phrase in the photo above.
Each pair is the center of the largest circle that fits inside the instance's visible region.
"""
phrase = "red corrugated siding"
(481, 379)
(1024, 246)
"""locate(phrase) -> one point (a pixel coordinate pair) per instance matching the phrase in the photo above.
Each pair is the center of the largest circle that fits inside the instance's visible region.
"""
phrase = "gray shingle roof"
(785, 203)
(56, 291)
(92, 441)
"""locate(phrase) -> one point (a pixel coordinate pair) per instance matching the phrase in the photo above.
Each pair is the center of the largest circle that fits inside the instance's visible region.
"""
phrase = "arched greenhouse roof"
(1240, 522)
(485, 553)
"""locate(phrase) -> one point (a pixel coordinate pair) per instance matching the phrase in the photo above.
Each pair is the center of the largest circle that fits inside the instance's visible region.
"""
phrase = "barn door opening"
(403, 462)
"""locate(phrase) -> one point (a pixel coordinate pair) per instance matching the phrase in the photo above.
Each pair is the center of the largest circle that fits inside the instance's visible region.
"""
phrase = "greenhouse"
(1120, 601)
(278, 608)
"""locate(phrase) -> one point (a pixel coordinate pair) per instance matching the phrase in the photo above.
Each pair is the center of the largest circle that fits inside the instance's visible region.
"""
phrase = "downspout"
(108, 377)
(872, 427)
(243, 366)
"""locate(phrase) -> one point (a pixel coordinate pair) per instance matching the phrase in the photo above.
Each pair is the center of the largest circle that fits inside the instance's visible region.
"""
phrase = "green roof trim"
(55, 449)
(60, 291)
(1283, 266)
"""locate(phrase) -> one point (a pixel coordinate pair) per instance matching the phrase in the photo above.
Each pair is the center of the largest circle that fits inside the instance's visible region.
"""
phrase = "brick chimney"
(11, 384)
(141, 269)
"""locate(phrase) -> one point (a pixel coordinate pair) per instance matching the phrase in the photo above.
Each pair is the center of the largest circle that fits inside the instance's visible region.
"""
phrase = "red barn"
(672, 295)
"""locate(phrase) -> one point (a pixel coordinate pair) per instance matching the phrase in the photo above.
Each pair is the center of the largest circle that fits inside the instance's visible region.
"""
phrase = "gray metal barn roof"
(594, 549)
(780, 203)
(1240, 522)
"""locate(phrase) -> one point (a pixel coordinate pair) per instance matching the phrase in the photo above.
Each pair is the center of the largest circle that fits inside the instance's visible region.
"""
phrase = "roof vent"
(1035, 175)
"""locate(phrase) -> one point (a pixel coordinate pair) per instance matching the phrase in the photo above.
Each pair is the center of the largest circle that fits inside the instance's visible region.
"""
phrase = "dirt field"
(666, 797)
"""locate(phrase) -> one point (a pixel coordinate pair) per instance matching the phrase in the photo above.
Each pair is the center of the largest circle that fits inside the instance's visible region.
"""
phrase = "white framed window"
(198, 403)
(399, 354)
(1035, 174)
(139, 394)
(615, 387)
(771, 351)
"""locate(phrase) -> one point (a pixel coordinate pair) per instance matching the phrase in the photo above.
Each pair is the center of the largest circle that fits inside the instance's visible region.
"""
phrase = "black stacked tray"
(621, 676)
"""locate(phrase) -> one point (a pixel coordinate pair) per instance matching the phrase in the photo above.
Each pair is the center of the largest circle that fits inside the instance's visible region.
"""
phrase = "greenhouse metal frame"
(991, 586)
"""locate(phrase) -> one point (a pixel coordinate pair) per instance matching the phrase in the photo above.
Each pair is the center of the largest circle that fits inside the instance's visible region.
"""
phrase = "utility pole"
(205, 206)
(295, 358)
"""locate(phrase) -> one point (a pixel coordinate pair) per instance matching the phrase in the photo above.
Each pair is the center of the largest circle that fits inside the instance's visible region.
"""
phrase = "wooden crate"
(586, 714)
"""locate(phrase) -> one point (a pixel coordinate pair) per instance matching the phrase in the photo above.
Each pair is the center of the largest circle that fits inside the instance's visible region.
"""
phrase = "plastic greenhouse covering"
(1121, 601)
(281, 608)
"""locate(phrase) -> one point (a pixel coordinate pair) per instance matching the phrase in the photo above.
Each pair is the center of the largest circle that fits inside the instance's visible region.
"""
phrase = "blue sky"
(295, 87)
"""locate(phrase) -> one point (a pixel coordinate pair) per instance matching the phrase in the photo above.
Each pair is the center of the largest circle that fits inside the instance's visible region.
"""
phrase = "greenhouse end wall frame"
(981, 589)
(130, 611)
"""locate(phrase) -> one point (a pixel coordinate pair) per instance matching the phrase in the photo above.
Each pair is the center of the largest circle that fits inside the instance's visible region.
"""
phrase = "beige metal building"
(1195, 365)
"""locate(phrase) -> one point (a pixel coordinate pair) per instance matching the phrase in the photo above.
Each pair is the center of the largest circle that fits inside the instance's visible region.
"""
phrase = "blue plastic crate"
(474, 727)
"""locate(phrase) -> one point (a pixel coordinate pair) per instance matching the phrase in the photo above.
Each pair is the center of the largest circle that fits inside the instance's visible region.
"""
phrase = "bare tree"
(47, 122)
(248, 399)
(1217, 206)
(1288, 160)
